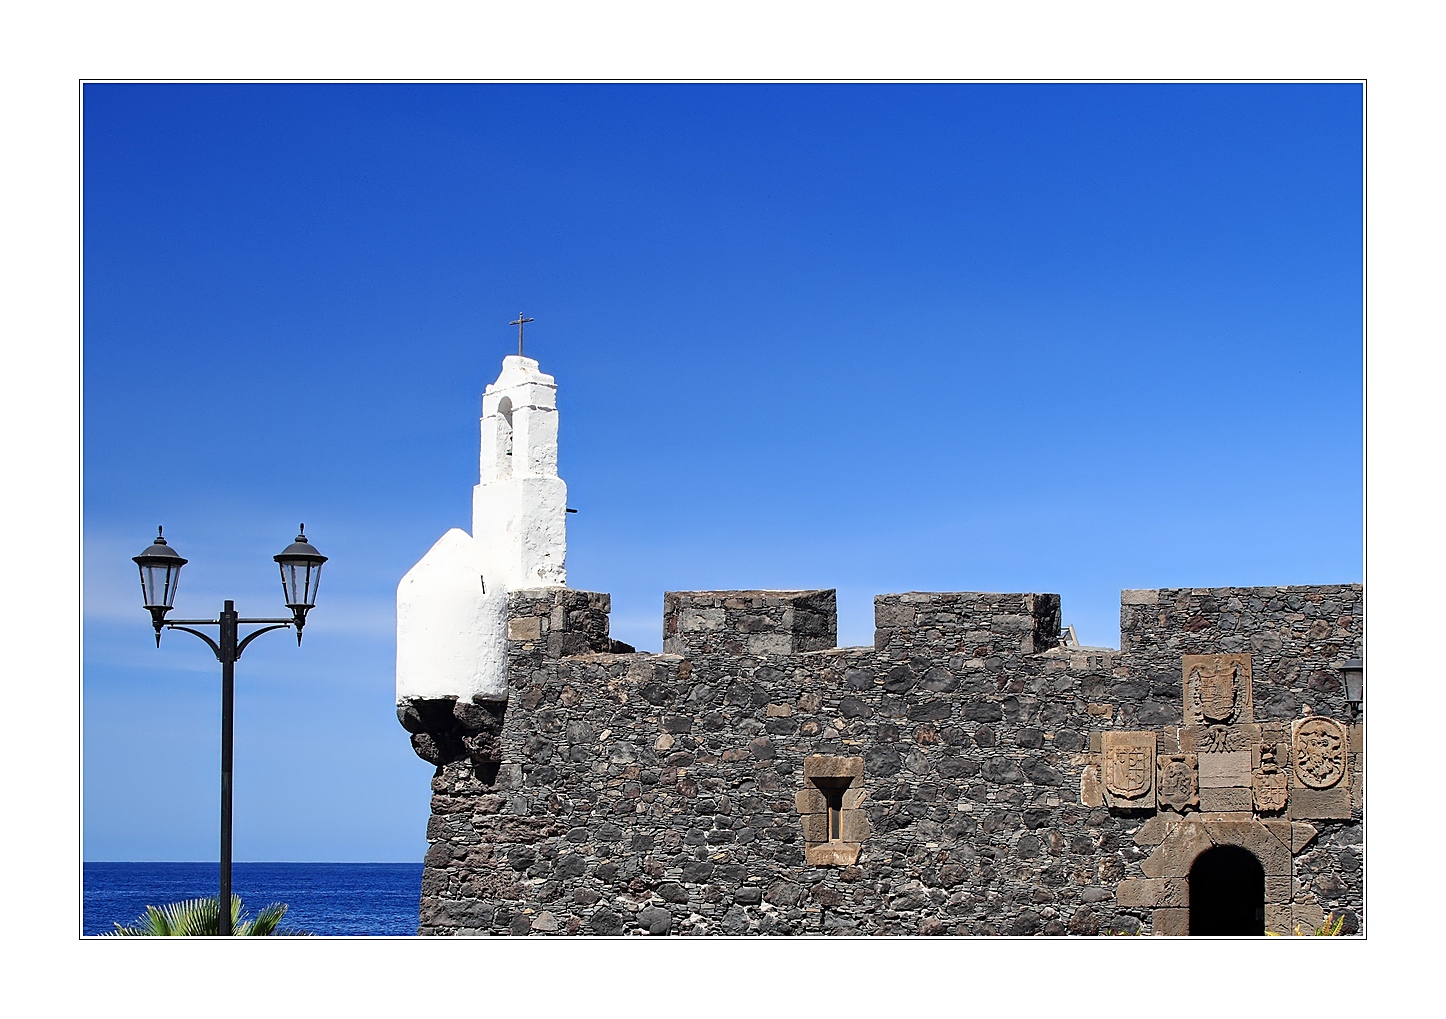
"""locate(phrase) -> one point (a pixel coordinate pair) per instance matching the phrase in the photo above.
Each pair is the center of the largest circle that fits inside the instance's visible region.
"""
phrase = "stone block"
(1149, 597)
(1278, 918)
(815, 827)
(832, 854)
(544, 922)
(854, 796)
(1153, 831)
(779, 710)
(696, 619)
(1227, 815)
(1091, 791)
(1278, 888)
(1231, 799)
(1277, 826)
(1148, 893)
(853, 825)
(1176, 894)
(1255, 838)
(1175, 855)
(810, 800)
(1358, 738)
(892, 614)
(1333, 804)
(1140, 892)
(1300, 835)
(1171, 923)
(525, 628)
(820, 766)
(770, 644)
(1231, 768)
(1167, 741)
(1307, 916)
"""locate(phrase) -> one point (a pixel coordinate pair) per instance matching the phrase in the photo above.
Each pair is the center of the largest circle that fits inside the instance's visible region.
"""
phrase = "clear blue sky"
(877, 338)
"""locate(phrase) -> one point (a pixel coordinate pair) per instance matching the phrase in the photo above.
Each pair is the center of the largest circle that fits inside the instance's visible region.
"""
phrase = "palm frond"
(265, 923)
(191, 918)
(202, 918)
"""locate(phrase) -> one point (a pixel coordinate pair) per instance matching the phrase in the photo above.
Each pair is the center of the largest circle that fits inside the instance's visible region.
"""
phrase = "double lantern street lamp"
(160, 568)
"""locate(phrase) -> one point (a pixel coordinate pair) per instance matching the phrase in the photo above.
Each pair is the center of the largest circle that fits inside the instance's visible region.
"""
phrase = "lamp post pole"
(229, 622)
(160, 570)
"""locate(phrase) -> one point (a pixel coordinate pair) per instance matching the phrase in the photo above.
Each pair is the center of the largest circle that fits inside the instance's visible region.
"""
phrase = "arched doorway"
(1227, 893)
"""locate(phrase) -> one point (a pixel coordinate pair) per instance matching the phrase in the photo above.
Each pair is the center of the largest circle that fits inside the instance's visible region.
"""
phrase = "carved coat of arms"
(1217, 689)
(1177, 786)
(1320, 746)
(1268, 782)
(1215, 693)
(1129, 765)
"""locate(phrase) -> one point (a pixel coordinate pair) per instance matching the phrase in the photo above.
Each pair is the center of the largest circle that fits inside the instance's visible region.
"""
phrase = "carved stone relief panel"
(1320, 746)
(1219, 739)
(1320, 751)
(1268, 782)
(1176, 784)
(1128, 762)
(1217, 689)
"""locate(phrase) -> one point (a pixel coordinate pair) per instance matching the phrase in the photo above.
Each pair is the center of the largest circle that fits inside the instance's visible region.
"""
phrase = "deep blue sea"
(323, 898)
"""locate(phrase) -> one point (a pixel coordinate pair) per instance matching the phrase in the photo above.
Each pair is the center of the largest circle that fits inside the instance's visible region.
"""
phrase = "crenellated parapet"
(955, 778)
(749, 622)
(973, 624)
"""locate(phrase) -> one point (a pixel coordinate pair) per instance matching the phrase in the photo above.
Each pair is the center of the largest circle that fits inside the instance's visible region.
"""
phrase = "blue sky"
(877, 338)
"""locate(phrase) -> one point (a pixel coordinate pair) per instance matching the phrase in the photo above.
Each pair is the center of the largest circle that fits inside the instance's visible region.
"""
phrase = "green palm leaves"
(202, 918)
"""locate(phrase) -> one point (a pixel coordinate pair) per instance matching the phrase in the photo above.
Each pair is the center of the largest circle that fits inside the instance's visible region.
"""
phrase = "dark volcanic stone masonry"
(666, 794)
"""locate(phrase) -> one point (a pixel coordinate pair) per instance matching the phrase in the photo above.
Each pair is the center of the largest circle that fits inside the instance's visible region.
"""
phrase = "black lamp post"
(160, 568)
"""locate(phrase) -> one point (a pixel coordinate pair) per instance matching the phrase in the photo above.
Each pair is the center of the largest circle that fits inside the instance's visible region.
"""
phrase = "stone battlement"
(956, 777)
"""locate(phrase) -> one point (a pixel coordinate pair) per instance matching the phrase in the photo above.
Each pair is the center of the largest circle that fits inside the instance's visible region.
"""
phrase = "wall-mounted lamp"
(1355, 676)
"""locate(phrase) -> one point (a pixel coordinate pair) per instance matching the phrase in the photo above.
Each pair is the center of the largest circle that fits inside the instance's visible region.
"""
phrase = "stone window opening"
(830, 805)
(833, 792)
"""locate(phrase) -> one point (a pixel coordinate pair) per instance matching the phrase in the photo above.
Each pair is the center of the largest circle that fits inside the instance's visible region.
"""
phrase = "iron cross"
(519, 323)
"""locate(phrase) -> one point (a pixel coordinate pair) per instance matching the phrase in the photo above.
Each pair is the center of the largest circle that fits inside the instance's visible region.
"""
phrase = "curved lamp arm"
(256, 633)
(214, 646)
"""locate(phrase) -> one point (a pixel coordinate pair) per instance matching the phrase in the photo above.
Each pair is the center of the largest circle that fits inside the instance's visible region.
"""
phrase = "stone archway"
(1227, 893)
(1178, 842)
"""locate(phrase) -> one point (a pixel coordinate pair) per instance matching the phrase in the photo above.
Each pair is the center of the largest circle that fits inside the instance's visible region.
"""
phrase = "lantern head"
(300, 566)
(160, 568)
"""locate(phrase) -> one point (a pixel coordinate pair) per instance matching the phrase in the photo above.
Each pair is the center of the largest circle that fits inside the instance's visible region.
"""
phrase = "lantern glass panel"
(1355, 680)
(299, 582)
(158, 585)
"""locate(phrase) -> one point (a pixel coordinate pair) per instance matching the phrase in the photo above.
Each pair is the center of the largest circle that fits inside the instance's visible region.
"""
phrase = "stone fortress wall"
(965, 775)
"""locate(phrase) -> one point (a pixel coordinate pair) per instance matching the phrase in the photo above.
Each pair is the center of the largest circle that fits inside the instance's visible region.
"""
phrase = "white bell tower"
(452, 605)
(519, 510)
